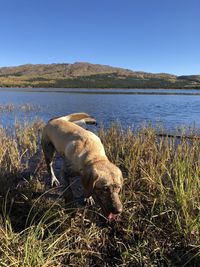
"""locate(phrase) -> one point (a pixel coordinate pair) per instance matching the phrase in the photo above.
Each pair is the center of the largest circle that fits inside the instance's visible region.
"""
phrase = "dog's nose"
(117, 210)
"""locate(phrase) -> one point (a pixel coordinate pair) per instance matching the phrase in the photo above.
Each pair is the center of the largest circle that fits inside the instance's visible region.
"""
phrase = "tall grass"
(161, 196)
(23, 107)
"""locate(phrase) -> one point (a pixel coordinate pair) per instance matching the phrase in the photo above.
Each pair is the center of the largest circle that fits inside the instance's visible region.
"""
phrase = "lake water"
(131, 107)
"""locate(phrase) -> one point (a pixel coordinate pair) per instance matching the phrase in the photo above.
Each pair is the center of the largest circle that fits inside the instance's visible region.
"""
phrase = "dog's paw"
(55, 182)
(52, 182)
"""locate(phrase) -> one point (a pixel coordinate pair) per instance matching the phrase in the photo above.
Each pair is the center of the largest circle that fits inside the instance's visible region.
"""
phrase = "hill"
(86, 75)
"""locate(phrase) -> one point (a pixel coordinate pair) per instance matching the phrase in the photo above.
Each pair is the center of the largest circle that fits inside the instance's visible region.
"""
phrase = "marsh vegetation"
(20, 107)
(159, 225)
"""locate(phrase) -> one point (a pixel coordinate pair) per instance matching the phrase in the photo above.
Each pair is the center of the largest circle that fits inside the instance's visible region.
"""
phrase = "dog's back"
(71, 140)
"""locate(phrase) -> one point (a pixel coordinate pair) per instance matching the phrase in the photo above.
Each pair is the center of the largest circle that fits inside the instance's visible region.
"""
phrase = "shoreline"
(103, 88)
(123, 91)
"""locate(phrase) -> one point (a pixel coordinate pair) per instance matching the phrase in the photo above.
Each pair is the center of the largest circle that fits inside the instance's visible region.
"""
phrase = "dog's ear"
(88, 185)
(88, 181)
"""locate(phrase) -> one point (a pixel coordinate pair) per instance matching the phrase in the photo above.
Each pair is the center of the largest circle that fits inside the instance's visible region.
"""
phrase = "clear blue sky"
(147, 35)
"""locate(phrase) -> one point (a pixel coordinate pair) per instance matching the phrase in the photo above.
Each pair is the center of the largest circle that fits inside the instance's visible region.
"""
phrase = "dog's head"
(104, 183)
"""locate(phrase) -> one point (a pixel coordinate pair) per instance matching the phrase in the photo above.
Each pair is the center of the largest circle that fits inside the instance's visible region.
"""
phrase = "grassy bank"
(161, 196)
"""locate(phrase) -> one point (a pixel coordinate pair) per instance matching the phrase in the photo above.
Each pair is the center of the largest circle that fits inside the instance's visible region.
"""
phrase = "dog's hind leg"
(49, 152)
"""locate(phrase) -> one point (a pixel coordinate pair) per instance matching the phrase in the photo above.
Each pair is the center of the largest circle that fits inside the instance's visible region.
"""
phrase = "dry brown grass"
(158, 227)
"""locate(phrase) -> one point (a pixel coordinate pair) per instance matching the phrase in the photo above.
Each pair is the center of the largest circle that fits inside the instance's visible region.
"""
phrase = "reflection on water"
(130, 107)
(106, 91)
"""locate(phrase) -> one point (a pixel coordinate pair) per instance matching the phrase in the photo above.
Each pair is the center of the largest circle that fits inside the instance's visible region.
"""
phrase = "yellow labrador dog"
(84, 153)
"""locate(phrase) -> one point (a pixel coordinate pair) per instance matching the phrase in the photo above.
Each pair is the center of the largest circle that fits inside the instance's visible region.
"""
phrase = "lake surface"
(131, 107)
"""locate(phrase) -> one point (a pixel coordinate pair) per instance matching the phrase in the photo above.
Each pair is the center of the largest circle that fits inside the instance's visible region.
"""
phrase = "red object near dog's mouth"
(108, 214)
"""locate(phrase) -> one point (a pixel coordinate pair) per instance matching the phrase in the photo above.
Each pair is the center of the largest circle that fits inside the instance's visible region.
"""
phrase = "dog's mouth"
(110, 216)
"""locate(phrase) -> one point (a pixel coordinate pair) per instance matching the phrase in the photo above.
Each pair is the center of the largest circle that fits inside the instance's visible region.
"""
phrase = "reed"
(25, 108)
(159, 225)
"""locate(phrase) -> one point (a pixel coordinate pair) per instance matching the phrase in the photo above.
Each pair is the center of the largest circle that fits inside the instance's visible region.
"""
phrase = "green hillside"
(86, 75)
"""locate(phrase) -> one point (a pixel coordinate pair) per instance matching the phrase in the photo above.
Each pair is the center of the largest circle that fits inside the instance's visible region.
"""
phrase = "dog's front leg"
(49, 151)
(54, 181)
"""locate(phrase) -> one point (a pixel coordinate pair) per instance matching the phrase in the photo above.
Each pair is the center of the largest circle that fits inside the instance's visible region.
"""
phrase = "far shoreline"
(104, 88)
(114, 91)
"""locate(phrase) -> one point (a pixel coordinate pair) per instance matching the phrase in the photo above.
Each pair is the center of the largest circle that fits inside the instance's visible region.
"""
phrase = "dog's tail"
(81, 119)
